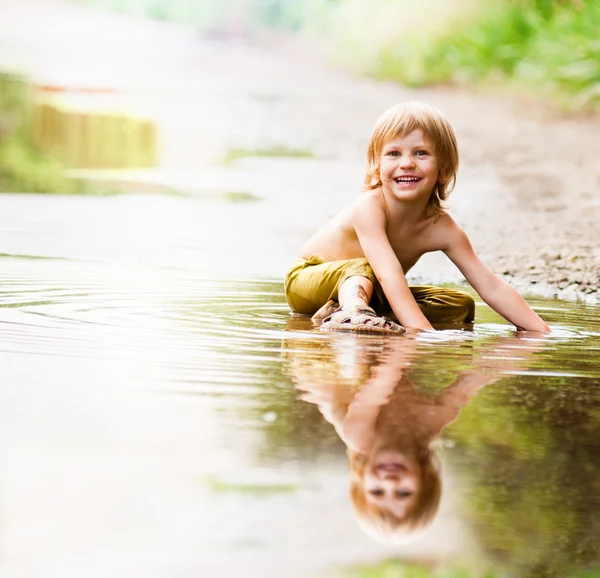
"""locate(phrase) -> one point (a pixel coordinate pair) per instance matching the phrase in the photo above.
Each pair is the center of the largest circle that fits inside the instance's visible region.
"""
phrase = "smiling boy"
(360, 258)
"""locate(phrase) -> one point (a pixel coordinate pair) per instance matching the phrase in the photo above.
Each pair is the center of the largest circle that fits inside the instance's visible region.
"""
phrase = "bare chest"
(410, 245)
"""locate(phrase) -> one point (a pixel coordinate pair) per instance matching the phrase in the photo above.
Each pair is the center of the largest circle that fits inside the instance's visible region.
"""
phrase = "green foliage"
(239, 197)
(553, 46)
(401, 569)
(22, 168)
(539, 44)
(549, 45)
(235, 154)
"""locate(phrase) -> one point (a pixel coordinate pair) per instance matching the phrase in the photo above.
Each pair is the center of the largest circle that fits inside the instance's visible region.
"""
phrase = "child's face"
(392, 481)
(409, 167)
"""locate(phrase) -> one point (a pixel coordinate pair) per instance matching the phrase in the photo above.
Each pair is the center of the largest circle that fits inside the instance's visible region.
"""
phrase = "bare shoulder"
(446, 233)
(369, 209)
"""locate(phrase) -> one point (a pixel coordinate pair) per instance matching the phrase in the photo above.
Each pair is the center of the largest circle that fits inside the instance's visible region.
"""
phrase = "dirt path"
(527, 191)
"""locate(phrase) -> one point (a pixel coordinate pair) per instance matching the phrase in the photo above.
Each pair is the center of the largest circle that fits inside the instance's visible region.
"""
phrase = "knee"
(462, 306)
(468, 307)
(451, 306)
(303, 304)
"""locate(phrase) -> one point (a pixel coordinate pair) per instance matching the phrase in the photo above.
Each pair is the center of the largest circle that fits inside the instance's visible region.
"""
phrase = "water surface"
(156, 420)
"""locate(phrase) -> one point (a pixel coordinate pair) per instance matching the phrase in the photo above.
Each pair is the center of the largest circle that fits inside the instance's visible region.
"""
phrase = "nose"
(406, 162)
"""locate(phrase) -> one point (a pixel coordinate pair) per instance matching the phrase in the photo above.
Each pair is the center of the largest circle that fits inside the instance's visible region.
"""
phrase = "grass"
(401, 569)
(35, 257)
(239, 153)
(239, 197)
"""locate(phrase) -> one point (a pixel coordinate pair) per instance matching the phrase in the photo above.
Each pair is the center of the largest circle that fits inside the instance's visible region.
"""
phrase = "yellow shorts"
(310, 283)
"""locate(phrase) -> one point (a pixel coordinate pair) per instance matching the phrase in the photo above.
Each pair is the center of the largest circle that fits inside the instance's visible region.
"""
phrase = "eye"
(393, 153)
(422, 153)
(376, 492)
(404, 494)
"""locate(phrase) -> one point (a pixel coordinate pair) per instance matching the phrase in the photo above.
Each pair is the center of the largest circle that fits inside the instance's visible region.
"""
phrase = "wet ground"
(162, 414)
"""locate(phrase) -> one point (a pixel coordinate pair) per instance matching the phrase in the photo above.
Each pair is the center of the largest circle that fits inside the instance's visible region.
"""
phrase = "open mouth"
(407, 180)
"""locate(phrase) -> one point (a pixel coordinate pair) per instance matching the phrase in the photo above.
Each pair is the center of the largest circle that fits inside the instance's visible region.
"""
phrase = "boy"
(360, 258)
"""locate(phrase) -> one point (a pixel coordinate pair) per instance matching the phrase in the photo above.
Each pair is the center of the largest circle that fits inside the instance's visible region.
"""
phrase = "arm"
(494, 360)
(352, 413)
(498, 294)
(369, 222)
(359, 427)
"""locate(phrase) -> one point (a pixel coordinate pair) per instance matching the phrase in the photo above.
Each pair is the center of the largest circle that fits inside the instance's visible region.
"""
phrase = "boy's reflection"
(389, 426)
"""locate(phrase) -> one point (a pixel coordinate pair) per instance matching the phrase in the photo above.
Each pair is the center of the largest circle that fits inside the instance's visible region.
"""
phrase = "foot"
(363, 319)
(325, 311)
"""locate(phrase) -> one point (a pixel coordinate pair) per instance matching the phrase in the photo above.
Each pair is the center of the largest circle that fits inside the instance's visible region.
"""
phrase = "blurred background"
(96, 85)
(161, 162)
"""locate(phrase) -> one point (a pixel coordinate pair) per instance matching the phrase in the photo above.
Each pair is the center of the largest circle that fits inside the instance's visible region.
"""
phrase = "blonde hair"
(399, 121)
(381, 524)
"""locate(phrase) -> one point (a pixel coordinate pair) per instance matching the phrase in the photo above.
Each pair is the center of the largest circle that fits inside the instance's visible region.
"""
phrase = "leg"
(441, 305)
(311, 284)
(355, 293)
(354, 313)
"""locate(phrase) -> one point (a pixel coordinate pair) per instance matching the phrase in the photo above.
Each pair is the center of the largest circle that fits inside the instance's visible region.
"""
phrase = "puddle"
(163, 414)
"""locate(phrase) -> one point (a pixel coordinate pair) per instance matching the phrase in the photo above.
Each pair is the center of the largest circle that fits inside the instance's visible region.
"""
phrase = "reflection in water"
(535, 486)
(389, 425)
(150, 420)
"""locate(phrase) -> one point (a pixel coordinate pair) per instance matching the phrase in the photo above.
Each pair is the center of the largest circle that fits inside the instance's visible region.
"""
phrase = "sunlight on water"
(162, 415)
(160, 419)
